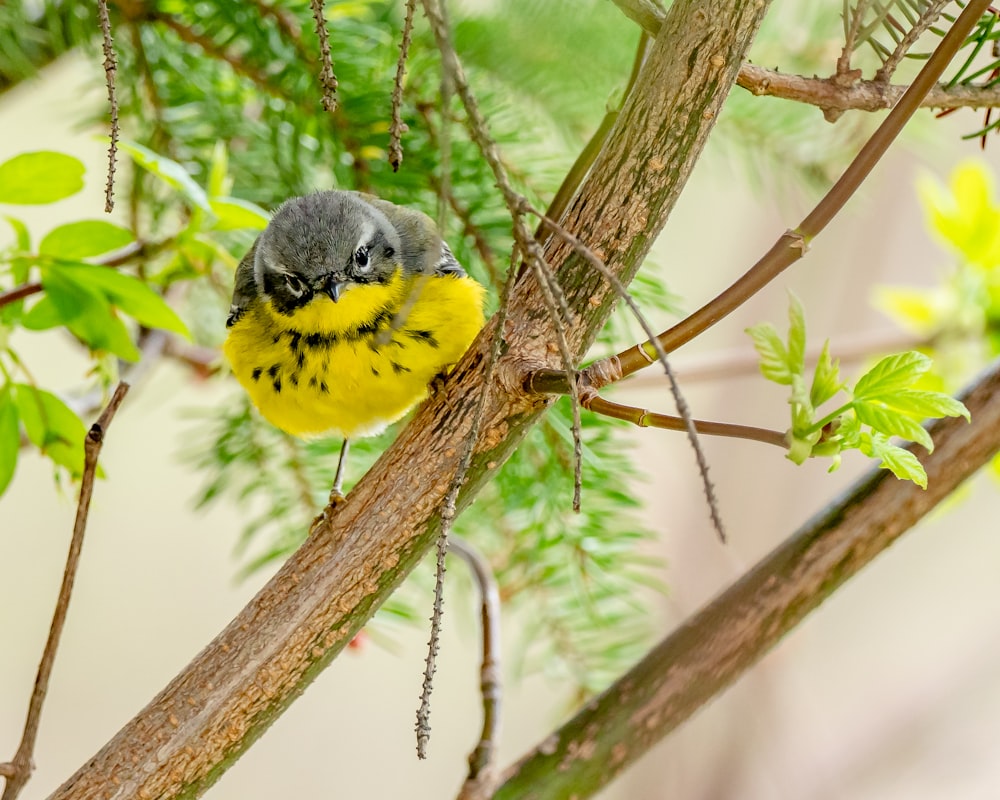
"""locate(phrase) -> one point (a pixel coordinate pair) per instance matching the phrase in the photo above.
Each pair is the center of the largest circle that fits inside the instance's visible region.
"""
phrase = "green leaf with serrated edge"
(890, 374)
(901, 463)
(84, 239)
(922, 405)
(88, 313)
(51, 426)
(826, 378)
(129, 293)
(796, 336)
(231, 214)
(773, 355)
(39, 178)
(892, 423)
(10, 439)
(170, 172)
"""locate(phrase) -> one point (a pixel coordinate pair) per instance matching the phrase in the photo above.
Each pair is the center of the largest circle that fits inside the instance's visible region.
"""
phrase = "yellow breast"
(341, 368)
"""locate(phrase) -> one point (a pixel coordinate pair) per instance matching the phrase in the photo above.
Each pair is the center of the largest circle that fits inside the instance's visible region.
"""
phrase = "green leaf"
(51, 426)
(891, 374)
(39, 178)
(170, 172)
(23, 237)
(46, 314)
(130, 294)
(826, 378)
(88, 314)
(891, 423)
(901, 463)
(84, 239)
(234, 214)
(796, 336)
(10, 438)
(773, 355)
(922, 405)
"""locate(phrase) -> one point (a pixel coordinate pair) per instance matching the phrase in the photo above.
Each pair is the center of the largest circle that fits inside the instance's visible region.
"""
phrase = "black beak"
(334, 288)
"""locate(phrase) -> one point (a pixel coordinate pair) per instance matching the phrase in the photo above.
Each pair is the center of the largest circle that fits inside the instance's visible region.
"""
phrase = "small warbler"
(344, 310)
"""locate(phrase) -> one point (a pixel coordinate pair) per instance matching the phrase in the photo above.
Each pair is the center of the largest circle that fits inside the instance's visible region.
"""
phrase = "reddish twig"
(19, 769)
(327, 79)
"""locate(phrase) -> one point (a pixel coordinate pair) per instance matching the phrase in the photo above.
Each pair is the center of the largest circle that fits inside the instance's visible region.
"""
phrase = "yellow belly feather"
(321, 371)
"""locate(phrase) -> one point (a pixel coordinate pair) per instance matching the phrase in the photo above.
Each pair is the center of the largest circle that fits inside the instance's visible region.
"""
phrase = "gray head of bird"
(323, 244)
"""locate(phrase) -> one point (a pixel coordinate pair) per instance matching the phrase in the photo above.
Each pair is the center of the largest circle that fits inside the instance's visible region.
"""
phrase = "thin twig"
(711, 649)
(552, 293)
(792, 245)
(19, 293)
(844, 71)
(448, 510)
(22, 761)
(645, 13)
(927, 18)
(327, 78)
(830, 96)
(397, 127)
(679, 401)
(110, 73)
(482, 760)
(643, 418)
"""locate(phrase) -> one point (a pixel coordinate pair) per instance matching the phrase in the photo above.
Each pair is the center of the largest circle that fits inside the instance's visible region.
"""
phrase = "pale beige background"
(890, 690)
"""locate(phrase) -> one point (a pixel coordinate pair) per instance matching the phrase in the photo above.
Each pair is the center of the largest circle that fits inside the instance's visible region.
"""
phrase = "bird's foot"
(337, 499)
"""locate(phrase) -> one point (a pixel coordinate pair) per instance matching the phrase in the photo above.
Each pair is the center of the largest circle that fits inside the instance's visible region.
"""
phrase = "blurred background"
(891, 689)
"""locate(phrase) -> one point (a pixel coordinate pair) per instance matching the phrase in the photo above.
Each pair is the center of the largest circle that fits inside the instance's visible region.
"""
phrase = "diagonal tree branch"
(713, 648)
(240, 683)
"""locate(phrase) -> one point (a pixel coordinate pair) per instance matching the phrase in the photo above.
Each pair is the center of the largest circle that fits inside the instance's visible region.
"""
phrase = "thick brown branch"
(224, 700)
(713, 648)
(22, 763)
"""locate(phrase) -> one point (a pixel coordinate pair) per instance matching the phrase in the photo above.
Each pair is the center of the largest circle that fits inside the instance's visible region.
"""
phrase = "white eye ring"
(294, 284)
(361, 259)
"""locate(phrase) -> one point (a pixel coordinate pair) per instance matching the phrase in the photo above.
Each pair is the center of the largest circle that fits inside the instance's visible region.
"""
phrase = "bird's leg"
(336, 495)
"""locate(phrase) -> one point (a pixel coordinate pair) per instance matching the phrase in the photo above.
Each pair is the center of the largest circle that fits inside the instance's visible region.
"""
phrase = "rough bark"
(716, 645)
(217, 707)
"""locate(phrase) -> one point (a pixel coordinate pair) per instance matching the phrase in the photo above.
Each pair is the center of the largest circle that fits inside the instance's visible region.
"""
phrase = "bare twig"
(679, 401)
(829, 95)
(645, 13)
(397, 127)
(851, 29)
(792, 245)
(649, 419)
(449, 510)
(552, 293)
(110, 72)
(709, 651)
(482, 760)
(19, 293)
(327, 79)
(22, 764)
(927, 18)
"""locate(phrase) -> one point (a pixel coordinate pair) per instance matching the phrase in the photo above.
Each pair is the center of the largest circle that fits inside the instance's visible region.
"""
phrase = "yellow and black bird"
(344, 311)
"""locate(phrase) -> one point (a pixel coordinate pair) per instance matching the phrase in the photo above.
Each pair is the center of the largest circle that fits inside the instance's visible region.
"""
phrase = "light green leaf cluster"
(882, 404)
(60, 283)
(958, 320)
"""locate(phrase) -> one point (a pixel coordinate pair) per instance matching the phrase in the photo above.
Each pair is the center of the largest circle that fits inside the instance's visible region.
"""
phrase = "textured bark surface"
(711, 649)
(209, 714)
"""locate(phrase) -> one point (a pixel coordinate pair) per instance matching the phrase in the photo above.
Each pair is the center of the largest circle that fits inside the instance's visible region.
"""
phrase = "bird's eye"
(361, 258)
(389, 252)
(294, 284)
